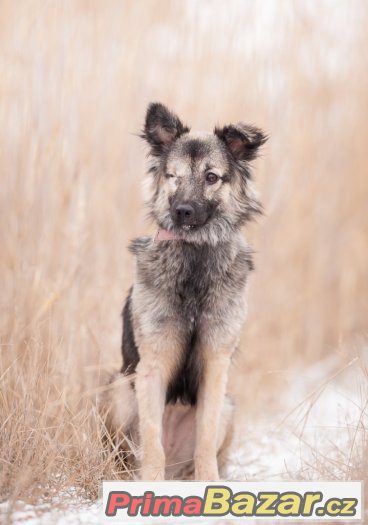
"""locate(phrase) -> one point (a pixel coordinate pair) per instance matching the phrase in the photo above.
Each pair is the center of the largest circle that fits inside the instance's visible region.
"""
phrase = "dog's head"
(201, 181)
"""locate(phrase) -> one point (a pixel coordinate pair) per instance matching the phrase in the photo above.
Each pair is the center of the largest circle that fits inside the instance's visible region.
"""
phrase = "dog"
(168, 407)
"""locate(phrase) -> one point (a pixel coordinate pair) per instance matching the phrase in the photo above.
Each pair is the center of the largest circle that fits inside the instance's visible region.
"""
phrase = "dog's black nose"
(184, 213)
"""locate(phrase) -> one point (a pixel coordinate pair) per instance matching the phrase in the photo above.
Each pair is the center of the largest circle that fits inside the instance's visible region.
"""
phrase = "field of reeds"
(75, 80)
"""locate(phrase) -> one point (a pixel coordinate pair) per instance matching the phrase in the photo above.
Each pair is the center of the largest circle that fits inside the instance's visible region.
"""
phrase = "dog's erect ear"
(242, 140)
(161, 128)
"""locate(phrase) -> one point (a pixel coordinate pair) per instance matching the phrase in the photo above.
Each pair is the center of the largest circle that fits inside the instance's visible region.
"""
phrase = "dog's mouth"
(191, 228)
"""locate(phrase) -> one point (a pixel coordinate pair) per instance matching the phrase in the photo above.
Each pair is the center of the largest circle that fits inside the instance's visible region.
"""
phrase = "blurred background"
(75, 80)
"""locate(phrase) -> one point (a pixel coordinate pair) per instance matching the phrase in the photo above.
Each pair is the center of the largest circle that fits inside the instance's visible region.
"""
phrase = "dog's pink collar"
(166, 235)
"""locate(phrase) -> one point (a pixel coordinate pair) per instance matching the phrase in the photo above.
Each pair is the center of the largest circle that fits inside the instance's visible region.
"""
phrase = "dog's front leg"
(151, 401)
(211, 397)
(157, 362)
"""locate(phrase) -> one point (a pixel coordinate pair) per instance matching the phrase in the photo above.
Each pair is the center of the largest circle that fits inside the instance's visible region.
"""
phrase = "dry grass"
(346, 458)
(75, 78)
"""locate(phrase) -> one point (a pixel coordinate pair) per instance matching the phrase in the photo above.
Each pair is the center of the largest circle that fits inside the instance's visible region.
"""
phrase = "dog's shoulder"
(245, 256)
(140, 245)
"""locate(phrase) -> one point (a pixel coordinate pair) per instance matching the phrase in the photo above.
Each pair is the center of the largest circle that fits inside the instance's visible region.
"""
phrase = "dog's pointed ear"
(242, 140)
(161, 128)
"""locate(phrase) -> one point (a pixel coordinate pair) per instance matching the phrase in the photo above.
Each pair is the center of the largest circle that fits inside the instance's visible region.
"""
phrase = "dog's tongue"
(166, 235)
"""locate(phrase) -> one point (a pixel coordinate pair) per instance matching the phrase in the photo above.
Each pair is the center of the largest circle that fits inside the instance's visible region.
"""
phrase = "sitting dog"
(184, 313)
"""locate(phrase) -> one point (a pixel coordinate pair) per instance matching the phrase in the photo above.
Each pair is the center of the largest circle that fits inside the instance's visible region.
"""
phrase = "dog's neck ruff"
(166, 235)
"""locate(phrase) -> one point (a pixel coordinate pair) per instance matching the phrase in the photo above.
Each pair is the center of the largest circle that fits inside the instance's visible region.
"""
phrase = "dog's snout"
(184, 213)
(188, 213)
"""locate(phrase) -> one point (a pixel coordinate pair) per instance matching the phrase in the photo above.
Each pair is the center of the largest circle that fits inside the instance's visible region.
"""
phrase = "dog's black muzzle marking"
(191, 213)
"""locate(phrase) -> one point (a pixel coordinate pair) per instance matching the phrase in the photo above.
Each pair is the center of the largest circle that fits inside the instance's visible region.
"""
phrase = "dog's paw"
(206, 471)
(153, 467)
(152, 474)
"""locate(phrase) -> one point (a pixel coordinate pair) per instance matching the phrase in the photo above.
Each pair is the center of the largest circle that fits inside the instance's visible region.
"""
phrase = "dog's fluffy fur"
(168, 407)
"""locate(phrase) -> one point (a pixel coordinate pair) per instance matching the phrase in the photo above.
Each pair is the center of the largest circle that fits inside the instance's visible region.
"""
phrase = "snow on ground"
(78, 512)
(319, 424)
(312, 436)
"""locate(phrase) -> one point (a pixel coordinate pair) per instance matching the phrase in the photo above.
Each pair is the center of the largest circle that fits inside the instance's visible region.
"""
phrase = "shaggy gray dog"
(184, 313)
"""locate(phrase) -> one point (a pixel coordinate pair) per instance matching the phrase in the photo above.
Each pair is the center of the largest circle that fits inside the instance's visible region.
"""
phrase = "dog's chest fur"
(187, 282)
(190, 277)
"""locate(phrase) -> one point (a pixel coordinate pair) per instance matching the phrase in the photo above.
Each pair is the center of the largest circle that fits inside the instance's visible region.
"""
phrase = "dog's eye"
(212, 178)
(169, 175)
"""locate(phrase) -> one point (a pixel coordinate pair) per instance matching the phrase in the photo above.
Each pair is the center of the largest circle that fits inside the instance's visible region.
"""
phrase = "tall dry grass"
(75, 78)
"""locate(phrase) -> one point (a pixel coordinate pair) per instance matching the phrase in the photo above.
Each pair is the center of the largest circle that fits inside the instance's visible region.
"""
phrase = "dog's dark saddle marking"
(128, 347)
